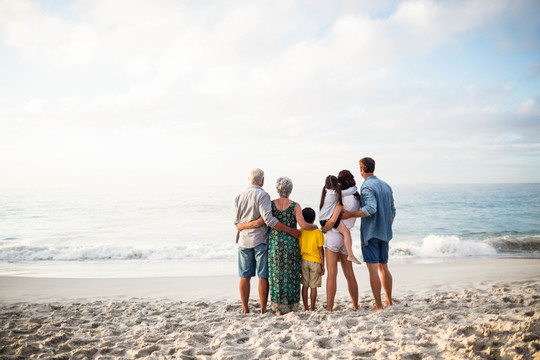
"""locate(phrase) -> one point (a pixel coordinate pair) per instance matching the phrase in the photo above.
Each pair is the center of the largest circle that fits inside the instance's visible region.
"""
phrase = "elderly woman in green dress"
(284, 261)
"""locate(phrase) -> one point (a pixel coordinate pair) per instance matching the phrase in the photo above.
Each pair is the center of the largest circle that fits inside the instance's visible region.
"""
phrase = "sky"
(168, 93)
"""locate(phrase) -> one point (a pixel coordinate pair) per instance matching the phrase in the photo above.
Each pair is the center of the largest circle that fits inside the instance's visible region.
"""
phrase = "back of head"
(309, 215)
(346, 179)
(256, 176)
(331, 182)
(367, 164)
(284, 186)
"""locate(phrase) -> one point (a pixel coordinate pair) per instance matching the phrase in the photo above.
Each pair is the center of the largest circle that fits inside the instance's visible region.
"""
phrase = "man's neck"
(366, 175)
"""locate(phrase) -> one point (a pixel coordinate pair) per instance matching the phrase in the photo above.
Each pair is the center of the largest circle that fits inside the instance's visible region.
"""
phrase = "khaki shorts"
(311, 274)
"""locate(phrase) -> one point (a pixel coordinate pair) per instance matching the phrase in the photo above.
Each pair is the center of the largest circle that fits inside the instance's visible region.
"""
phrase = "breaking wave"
(432, 246)
(104, 252)
(437, 246)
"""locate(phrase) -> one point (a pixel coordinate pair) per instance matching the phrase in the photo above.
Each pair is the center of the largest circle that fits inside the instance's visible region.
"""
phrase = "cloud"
(529, 107)
(165, 86)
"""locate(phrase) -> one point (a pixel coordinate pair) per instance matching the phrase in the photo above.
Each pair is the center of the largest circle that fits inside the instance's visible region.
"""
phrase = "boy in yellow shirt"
(311, 249)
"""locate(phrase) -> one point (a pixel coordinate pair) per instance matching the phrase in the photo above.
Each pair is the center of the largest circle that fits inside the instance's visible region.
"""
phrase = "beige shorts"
(311, 274)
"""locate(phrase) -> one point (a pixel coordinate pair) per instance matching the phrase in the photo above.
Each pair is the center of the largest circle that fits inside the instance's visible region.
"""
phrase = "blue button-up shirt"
(377, 203)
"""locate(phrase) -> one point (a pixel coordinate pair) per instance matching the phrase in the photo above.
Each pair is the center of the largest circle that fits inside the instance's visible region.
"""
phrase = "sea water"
(172, 232)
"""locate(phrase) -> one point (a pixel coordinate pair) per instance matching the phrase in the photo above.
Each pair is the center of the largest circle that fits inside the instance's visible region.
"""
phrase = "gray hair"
(284, 186)
(256, 176)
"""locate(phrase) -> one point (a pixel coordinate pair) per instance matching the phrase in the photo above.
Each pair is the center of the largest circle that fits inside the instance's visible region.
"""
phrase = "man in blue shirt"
(377, 212)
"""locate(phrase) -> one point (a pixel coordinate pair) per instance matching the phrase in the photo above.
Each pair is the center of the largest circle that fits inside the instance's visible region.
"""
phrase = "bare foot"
(376, 308)
(354, 259)
(263, 311)
(245, 310)
(388, 302)
(278, 313)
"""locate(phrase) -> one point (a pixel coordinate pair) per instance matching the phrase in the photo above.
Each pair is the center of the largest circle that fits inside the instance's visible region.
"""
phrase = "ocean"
(190, 231)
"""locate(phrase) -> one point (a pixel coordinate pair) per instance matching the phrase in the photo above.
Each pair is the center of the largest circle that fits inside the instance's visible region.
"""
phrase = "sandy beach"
(478, 309)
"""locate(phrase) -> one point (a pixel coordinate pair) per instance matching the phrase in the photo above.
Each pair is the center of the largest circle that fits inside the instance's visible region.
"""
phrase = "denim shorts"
(375, 252)
(251, 260)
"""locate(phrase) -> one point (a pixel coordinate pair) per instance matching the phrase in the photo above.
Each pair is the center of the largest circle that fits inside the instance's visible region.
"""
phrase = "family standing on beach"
(283, 257)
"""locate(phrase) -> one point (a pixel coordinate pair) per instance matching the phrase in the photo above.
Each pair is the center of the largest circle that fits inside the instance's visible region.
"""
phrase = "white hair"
(256, 176)
(284, 186)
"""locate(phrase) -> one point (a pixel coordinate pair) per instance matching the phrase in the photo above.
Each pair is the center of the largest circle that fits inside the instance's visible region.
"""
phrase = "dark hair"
(309, 215)
(331, 182)
(367, 164)
(346, 180)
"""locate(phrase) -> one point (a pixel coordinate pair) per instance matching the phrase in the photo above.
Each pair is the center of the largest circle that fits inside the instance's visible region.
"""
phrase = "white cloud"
(529, 107)
(162, 87)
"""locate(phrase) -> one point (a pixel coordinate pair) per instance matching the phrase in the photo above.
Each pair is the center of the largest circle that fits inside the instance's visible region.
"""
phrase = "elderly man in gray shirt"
(253, 210)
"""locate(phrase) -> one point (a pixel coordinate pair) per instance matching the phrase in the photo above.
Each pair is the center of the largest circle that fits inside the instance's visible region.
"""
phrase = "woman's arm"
(335, 215)
(300, 219)
(250, 225)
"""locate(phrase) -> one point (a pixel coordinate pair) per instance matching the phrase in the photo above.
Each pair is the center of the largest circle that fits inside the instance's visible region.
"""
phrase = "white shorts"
(333, 241)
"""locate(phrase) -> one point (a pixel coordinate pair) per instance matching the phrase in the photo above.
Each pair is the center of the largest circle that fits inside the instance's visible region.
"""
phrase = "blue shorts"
(375, 252)
(253, 259)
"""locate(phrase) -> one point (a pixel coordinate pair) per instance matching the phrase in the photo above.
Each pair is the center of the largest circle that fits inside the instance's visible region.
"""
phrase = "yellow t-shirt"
(310, 241)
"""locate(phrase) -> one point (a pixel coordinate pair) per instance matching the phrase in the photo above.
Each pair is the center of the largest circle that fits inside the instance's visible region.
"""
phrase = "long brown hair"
(346, 180)
(331, 183)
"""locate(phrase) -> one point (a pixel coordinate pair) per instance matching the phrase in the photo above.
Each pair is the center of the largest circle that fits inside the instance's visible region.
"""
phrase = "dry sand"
(486, 309)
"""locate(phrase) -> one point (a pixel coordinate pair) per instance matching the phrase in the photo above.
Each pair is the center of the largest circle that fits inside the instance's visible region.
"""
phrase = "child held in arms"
(311, 249)
(331, 206)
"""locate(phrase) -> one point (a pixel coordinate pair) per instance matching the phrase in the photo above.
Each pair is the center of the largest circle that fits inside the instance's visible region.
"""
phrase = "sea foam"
(432, 246)
(107, 252)
(437, 246)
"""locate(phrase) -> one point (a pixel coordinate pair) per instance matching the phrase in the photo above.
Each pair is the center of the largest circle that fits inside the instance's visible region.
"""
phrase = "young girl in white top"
(330, 208)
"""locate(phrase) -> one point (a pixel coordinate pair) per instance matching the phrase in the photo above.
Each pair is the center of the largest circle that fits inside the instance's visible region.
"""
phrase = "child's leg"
(313, 296)
(304, 297)
(348, 243)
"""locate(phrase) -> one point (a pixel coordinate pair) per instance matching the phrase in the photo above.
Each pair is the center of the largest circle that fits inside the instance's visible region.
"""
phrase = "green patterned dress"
(284, 264)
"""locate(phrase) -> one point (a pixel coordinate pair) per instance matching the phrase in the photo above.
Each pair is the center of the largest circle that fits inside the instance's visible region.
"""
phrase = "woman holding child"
(335, 246)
